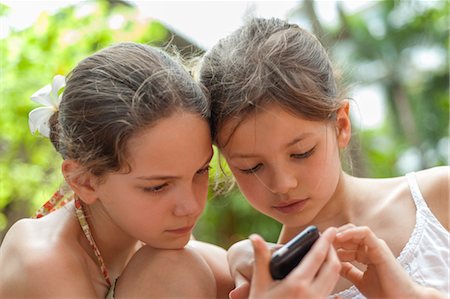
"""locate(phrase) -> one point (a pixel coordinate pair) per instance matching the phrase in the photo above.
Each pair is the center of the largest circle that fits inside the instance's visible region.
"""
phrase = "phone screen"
(289, 255)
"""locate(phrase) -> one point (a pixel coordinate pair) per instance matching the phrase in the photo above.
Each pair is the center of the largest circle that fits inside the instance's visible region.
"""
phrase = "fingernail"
(253, 237)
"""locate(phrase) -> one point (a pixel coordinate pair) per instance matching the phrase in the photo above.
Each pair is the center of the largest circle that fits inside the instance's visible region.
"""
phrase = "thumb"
(240, 292)
(242, 289)
(261, 276)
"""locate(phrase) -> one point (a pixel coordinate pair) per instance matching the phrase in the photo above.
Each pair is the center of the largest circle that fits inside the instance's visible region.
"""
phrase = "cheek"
(252, 188)
(202, 191)
(324, 170)
(130, 208)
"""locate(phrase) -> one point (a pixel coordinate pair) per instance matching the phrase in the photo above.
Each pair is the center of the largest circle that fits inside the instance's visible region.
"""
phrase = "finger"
(374, 248)
(261, 276)
(328, 274)
(240, 292)
(345, 227)
(351, 273)
(240, 279)
(353, 255)
(275, 247)
(357, 235)
(313, 260)
(347, 245)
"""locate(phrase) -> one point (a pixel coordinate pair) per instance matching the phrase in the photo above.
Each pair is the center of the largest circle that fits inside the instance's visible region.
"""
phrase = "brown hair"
(268, 61)
(114, 94)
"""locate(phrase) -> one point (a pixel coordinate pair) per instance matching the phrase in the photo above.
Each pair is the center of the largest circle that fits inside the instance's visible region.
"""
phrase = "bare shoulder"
(434, 184)
(207, 248)
(36, 266)
(214, 255)
(432, 178)
(216, 258)
(175, 273)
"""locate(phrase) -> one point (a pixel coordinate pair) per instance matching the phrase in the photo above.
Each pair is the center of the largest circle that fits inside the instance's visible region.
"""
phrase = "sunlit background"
(391, 57)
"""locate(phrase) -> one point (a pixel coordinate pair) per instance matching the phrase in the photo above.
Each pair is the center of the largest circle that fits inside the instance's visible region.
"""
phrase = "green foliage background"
(417, 119)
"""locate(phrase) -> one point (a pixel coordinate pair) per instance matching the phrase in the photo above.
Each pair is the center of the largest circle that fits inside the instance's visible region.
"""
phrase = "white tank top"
(426, 256)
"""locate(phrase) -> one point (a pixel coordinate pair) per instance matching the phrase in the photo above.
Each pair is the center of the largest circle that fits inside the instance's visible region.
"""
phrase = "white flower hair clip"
(50, 97)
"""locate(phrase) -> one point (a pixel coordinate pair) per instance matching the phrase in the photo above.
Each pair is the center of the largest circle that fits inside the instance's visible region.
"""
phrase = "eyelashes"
(299, 156)
(156, 189)
(304, 155)
(162, 187)
(252, 170)
(204, 169)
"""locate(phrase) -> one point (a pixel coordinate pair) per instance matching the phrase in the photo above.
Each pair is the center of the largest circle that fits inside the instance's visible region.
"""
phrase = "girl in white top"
(280, 122)
(426, 255)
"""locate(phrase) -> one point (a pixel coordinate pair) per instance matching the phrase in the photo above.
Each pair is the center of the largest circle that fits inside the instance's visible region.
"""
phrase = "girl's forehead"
(267, 111)
(272, 123)
(173, 130)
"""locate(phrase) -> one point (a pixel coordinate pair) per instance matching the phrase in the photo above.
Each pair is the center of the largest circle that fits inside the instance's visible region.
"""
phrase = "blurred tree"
(378, 45)
(30, 58)
(394, 45)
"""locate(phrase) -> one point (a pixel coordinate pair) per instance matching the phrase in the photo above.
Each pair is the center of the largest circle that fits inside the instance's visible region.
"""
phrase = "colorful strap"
(61, 198)
(87, 232)
(58, 199)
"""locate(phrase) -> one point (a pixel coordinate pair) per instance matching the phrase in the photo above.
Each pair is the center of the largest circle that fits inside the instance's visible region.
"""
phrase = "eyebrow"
(170, 177)
(289, 144)
(298, 139)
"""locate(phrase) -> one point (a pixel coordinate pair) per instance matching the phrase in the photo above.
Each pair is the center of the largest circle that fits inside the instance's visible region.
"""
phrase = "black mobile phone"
(289, 255)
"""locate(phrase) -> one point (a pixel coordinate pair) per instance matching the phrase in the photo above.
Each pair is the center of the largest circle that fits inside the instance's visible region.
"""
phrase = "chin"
(179, 243)
(292, 222)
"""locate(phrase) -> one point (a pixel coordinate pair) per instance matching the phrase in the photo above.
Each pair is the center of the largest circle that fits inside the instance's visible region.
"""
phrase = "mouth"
(181, 231)
(291, 207)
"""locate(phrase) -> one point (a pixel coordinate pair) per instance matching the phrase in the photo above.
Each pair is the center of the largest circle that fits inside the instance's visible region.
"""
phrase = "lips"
(182, 230)
(294, 206)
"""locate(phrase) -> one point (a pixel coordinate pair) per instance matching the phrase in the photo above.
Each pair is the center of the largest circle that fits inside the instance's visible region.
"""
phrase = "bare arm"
(216, 258)
(240, 258)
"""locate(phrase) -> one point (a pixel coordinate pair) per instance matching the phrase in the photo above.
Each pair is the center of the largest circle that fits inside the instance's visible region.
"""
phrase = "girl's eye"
(204, 170)
(156, 189)
(304, 155)
(252, 170)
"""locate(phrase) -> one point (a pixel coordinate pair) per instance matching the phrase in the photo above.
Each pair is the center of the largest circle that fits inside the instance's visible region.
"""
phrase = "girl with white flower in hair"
(50, 97)
(131, 126)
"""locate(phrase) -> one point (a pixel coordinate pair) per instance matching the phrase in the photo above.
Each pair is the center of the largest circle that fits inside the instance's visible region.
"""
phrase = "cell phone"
(289, 255)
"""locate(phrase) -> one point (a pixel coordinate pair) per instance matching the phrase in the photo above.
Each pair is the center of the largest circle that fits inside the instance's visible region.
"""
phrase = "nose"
(283, 180)
(187, 204)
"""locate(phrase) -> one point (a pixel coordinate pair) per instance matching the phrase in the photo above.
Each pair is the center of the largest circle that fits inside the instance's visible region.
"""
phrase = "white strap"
(415, 191)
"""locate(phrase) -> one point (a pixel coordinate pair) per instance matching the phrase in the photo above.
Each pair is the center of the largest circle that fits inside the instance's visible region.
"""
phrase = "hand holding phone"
(289, 255)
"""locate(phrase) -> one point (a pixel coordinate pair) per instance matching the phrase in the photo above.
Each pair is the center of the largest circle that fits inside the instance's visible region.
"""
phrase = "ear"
(82, 182)
(343, 124)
